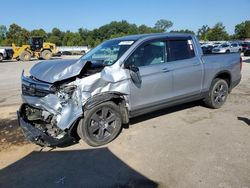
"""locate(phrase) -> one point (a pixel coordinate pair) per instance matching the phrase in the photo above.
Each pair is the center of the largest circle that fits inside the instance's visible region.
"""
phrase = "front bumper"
(39, 137)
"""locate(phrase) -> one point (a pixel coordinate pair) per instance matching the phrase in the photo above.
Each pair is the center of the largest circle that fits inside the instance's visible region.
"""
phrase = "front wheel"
(101, 124)
(217, 94)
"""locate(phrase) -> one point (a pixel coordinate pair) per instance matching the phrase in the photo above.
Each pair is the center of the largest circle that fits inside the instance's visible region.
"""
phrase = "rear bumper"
(38, 137)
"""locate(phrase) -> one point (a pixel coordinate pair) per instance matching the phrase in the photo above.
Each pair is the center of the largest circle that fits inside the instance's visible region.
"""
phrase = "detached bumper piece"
(40, 137)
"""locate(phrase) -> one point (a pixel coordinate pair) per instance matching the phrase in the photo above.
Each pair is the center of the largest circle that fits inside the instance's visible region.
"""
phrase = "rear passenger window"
(180, 49)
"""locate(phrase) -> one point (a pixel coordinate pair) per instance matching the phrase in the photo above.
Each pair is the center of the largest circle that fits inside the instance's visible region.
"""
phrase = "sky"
(74, 14)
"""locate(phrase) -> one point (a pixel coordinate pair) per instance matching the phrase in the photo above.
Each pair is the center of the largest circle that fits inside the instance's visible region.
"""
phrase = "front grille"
(32, 87)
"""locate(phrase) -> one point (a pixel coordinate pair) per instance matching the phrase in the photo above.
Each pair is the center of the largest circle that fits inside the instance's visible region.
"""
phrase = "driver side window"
(152, 53)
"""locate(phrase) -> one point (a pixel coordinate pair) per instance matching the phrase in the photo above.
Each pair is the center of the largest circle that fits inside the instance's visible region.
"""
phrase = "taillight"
(240, 63)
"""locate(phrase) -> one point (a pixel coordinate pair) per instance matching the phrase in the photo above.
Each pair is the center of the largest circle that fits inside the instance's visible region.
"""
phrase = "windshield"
(108, 52)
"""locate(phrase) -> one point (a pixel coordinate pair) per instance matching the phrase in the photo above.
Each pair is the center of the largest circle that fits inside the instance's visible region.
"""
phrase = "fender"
(116, 97)
(221, 73)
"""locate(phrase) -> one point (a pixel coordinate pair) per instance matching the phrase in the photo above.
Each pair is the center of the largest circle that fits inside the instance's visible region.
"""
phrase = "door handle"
(165, 70)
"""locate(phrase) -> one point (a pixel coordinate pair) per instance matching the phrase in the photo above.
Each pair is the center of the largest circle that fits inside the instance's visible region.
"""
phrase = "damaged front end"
(56, 93)
(48, 112)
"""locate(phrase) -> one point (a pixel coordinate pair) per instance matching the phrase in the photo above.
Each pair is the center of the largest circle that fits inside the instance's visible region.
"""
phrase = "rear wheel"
(101, 124)
(25, 56)
(227, 51)
(217, 94)
(46, 54)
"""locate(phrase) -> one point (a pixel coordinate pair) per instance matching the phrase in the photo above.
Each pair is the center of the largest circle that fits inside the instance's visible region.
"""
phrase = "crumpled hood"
(57, 70)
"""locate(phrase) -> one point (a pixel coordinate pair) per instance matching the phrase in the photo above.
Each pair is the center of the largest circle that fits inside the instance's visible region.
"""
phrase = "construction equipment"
(36, 48)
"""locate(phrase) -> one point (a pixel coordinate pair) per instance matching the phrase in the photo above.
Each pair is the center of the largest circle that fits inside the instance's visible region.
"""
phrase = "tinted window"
(224, 45)
(180, 49)
(149, 54)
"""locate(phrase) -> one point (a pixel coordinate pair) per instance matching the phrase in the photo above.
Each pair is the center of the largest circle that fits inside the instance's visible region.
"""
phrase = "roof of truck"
(153, 35)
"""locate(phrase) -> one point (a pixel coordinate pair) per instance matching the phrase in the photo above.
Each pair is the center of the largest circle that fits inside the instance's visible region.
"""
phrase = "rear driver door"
(186, 66)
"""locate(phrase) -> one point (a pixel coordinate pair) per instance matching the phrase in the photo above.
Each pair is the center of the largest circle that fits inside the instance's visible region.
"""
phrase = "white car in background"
(227, 48)
(3, 54)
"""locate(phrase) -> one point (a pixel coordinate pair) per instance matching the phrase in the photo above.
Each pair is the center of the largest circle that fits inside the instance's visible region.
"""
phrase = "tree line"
(84, 37)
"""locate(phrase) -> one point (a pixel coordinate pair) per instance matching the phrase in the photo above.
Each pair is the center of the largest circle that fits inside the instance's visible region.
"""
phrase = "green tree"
(56, 32)
(17, 35)
(182, 31)
(72, 39)
(54, 39)
(202, 32)
(242, 30)
(39, 33)
(3, 31)
(217, 33)
(146, 29)
(84, 34)
(55, 36)
(163, 25)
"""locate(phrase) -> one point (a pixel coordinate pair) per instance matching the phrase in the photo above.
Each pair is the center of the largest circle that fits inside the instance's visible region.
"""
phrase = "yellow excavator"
(36, 48)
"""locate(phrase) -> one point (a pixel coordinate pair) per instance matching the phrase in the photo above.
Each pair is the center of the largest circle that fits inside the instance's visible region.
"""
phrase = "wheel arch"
(225, 75)
(118, 98)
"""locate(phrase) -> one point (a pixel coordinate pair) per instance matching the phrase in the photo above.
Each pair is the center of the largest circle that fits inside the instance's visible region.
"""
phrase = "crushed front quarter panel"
(67, 109)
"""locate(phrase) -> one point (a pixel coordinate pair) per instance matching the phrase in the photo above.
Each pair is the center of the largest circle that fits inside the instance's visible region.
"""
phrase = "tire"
(227, 51)
(1, 57)
(46, 54)
(217, 94)
(25, 56)
(101, 124)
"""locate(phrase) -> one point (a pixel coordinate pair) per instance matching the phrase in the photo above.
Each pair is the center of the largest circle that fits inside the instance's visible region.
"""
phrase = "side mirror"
(134, 72)
(134, 68)
(135, 75)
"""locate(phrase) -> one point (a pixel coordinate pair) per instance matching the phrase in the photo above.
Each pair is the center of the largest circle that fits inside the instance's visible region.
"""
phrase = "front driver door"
(156, 77)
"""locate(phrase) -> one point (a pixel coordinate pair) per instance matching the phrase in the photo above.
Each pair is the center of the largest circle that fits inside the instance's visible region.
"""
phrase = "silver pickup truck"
(92, 97)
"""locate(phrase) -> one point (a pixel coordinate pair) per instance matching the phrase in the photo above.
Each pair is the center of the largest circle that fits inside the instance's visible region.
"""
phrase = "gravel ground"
(184, 146)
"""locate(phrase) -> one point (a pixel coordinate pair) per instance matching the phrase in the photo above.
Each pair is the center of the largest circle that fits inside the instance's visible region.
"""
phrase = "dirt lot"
(184, 146)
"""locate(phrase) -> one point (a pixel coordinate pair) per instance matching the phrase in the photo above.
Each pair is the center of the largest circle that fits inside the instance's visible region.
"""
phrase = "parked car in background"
(9, 52)
(235, 47)
(6, 54)
(207, 49)
(121, 78)
(227, 48)
(245, 45)
(246, 49)
(2, 54)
